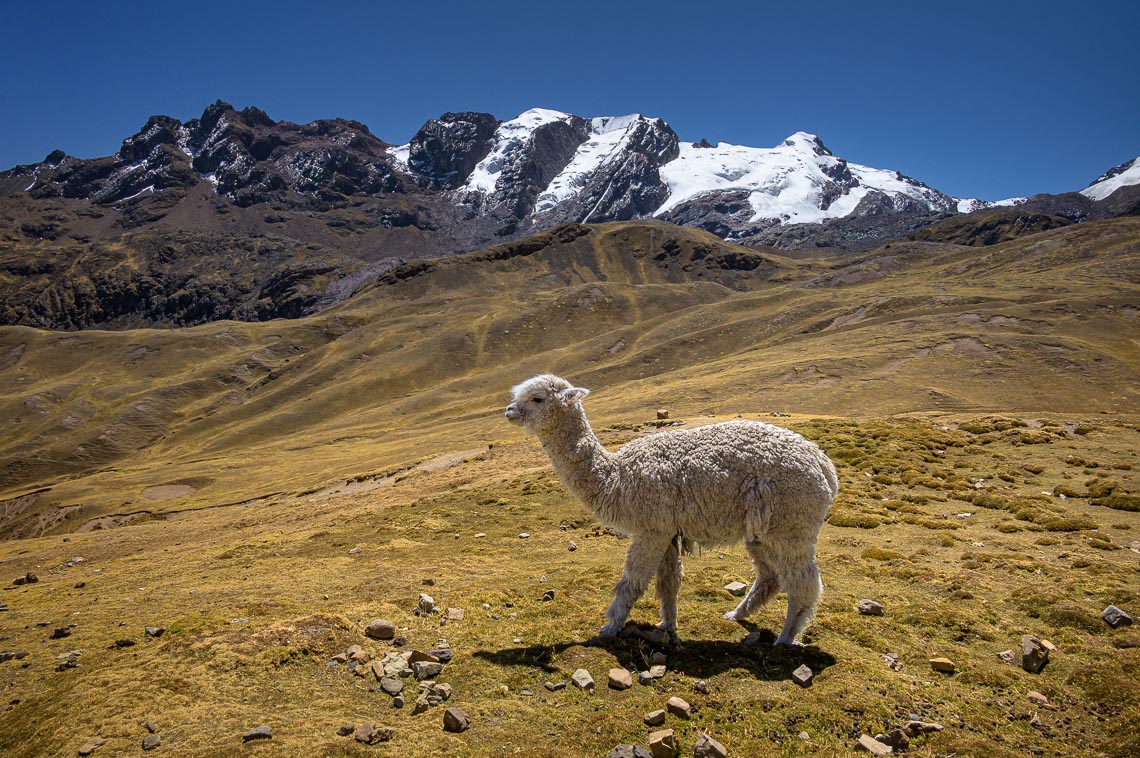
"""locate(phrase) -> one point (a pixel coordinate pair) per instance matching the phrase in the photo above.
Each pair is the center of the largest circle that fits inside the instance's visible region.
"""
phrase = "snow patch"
(400, 156)
(1104, 187)
(609, 138)
(510, 138)
(143, 191)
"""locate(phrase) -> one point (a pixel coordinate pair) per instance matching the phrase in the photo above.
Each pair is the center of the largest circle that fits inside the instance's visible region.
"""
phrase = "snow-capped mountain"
(465, 179)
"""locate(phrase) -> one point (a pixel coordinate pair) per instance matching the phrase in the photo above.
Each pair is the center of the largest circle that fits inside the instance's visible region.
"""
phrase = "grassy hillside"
(282, 483)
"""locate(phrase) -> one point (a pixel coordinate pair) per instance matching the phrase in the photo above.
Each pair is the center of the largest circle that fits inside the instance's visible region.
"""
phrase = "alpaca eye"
(536, 399)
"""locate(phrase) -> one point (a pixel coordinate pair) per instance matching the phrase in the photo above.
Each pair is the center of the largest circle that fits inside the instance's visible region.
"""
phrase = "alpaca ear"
(574, 394)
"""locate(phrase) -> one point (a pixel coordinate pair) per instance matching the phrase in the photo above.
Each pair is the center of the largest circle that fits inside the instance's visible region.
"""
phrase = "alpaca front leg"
(640, 565)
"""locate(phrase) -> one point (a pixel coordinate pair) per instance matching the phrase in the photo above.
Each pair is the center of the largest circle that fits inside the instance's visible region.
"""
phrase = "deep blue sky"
(978, 99)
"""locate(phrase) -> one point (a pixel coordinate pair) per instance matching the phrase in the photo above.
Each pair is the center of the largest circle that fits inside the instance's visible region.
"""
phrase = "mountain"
(234, 215)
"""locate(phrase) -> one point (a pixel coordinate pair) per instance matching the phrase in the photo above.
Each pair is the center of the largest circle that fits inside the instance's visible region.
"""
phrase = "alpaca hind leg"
(804, 588)
(763, 587)
(640, 565)
(668, 585)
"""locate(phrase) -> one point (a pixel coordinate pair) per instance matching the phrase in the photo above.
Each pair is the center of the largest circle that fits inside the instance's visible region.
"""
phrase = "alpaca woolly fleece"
(714, 485)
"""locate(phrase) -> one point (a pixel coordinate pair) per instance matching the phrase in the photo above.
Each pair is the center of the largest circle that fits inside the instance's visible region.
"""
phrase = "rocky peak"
(446, 150)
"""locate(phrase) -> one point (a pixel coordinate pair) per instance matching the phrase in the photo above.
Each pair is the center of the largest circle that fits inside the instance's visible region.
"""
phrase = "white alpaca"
(712, 485)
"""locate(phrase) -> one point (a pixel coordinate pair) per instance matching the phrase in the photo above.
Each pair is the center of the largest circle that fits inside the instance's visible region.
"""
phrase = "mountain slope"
(233, 411)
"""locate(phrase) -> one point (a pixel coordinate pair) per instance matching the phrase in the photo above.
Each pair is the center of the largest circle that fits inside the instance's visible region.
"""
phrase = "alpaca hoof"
(610, 630)
(792, 644)
(731, 616)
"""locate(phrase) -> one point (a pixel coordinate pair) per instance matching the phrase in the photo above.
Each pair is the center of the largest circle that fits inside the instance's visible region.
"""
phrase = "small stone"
(28, 578)
(548, 596)
(571, 546)
(1049, 646)
(60, 633)
(1115, 617)
(896, 739)
(456, 720)
(359, 654)
(892, 661)
(679, 707)
(454, 614)
(399, 701)
(620, 679)
(701, 686)
(628, 751)
(155, 631)
(442, 690)
(422, 704)
(805, 736)
(803, 676)
(582, 679)
(1008, 656)
(120, 644)
(869, 744)
(914, 728)
(92, 745)
(354, 551)
(426, 605)
(370, 734)
(870, 608)
(1037, 697)
(480, 535)
(418, 655)
(524, 535)
(707, 747)
(345, 730)
(151, 741)
(662, 414)
(380, 629)
(736, 589)
(80, 585)
(262, 732)
(150, 727)
(555, 686)
(426, 670)
(391, 685)
(443, 655)
(1034, 656)
(644, 677)
(663, 744)
(944, 665)
(655, 718)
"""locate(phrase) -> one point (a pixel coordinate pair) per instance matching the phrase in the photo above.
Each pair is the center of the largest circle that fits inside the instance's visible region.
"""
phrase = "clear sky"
(978, 99)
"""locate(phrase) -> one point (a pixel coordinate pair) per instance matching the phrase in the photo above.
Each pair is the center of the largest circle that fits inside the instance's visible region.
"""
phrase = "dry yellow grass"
(290, 481)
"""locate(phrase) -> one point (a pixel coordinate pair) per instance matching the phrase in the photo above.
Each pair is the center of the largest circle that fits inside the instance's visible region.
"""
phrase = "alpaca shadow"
(700, 659)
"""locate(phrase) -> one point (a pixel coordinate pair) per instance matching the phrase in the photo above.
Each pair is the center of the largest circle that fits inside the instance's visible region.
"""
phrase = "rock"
(422, 704)
(454, 614)
(870, 608)
(628, 751)
(915, 728)
(398, 701)
(120, 644)
(91, 746)
(869, 744)
(391, 686)
(1008, 656)
(524, 535)
(150, 727)
(345, 730)
(442, 654)
(80, 585)
(554, 686)
(620, 679)
(1115, 617)
(456, 720)
(262, 732)
(736, 589)
(28, 578)
(944, 665)
(892, 661)
(1034, 655)
(803, 676)
(60, 633)
(443, 690)
(679, 707)
(418, 655)
(662, 414)
(655, 718)
(1037, 697)
(582, 679)
(426, 605)
(155, 631)
(572, 547)
(369, 734)
(663, 744)
(897, 740)
(426, 670)
(151, 741)
(68, 660)
(548, 596)
(707, 747)
(380, 629)
(701, 686)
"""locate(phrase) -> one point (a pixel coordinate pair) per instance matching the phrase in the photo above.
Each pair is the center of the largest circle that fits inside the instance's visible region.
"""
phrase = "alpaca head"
(539, 404)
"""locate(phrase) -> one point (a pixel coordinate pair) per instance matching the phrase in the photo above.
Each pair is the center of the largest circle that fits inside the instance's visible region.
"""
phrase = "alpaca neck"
(580, 461)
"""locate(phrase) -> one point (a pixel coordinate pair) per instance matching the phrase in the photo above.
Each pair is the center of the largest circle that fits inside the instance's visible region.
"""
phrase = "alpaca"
(712, 485)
